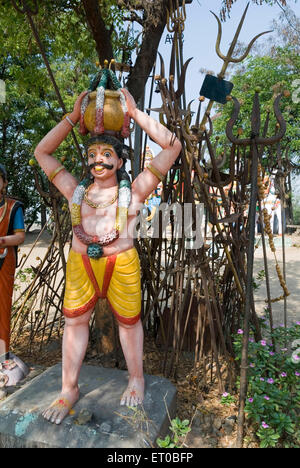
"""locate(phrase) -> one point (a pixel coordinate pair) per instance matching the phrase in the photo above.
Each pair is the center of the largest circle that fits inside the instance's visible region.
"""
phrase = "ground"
(212, 424)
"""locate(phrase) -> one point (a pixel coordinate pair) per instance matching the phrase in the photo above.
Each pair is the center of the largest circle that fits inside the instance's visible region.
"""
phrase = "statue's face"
(104, 161)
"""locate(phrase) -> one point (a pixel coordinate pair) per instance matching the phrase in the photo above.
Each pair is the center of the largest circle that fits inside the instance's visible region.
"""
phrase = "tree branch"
(147, 54)
(98, 29)
(152, 34)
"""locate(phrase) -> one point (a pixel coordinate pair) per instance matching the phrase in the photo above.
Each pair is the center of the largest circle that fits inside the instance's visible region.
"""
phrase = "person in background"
(12, 234)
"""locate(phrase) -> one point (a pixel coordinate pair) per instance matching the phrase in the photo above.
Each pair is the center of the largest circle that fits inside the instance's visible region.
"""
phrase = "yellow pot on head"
(113, 112)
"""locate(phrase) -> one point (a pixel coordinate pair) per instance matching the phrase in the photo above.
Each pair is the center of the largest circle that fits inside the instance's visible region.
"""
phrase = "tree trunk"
(146, 57)
(98, 29)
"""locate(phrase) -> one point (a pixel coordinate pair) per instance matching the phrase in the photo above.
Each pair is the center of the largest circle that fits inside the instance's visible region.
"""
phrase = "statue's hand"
(130, 102)
(75, 115)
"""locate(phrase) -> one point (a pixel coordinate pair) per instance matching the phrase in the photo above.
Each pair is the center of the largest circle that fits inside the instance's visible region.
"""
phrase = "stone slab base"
(111, 425)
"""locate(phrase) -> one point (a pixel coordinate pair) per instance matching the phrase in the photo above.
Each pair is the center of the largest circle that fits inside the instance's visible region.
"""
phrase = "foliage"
(227, 5)
(25, 275)
(179, 430)
(227, 399)
(31, 108)
(273, 399)
(296, 209)
(256, 284)
(287, 28)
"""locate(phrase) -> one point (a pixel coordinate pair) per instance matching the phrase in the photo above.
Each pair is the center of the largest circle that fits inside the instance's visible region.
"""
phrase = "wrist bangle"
(55, 172)
(67, 118)
(70, 121)
(156, 172)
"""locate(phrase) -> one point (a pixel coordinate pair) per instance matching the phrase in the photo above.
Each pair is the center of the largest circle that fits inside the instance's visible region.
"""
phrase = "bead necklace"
(99, 205)
(95, 243)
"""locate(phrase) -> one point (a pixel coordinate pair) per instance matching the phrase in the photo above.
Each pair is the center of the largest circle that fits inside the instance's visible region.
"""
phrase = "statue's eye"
(107, 154)
(91, 155)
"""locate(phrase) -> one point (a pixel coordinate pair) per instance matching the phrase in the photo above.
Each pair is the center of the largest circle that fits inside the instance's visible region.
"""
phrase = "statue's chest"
(98, 220)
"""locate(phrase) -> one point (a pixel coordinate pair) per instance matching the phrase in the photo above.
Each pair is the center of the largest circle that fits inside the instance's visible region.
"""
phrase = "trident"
(228, 58)
(254, 141)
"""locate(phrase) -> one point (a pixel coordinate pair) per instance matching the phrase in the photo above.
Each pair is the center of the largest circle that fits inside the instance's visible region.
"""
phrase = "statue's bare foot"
(134, 394)
(61, 407)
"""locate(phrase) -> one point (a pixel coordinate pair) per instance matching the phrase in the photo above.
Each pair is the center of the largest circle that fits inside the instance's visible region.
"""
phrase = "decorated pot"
(113, 112)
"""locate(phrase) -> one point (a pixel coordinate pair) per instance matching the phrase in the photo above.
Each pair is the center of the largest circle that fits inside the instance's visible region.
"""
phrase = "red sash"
(7, 271)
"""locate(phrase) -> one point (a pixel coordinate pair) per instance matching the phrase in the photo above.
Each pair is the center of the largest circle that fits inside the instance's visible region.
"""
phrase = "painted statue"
(103, 261)
(12, 234)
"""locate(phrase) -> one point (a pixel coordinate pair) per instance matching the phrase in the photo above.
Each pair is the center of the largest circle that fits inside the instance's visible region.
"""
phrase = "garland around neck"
(95, 243)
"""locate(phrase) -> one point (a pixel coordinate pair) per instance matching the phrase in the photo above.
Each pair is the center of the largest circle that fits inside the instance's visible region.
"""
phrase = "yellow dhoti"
(116, 278)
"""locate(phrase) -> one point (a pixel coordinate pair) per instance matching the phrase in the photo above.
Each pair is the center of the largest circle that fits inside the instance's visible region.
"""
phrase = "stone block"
(111, 425)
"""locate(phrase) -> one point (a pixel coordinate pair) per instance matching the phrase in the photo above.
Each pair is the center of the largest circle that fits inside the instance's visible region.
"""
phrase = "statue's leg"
(124, 297)
(75, 341)
(131, 338)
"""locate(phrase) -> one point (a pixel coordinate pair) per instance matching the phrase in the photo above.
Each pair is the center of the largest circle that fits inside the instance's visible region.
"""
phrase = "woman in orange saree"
(12, 234)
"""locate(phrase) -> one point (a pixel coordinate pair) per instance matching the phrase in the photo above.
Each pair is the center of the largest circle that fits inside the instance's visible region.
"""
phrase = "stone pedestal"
(111, 425)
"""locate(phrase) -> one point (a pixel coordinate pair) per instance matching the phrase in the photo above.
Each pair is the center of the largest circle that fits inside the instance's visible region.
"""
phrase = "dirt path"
(292, 278)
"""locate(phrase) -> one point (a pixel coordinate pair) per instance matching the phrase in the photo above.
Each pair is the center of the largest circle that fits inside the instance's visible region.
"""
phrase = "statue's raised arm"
(148, 180)
(54, 170)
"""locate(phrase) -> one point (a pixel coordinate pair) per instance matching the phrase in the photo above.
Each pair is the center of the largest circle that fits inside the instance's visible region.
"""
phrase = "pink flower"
(263, 343)
(283, 374)
(266, 397)
(272, 353)
(297, 374)
(270, 381)
(264, 425)
(240, 332)
(250, 400)
(262, 379)
(225, 394)
(252, 365)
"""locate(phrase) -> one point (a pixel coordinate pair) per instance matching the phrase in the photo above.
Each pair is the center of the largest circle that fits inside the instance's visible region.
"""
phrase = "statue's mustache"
(106, 166)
